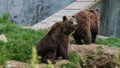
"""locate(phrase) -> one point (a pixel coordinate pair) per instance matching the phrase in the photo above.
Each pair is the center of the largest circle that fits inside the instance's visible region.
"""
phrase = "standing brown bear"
(88, 22)
(55, 42)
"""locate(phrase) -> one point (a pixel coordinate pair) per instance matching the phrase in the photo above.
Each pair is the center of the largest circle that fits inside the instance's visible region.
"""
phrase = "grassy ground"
(21, 41)
(110, 41)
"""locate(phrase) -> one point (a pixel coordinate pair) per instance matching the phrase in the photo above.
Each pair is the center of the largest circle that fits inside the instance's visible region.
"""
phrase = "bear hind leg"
(94, 35)
(87, 40)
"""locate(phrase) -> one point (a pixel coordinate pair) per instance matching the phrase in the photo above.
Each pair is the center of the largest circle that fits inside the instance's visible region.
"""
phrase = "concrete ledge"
(86, 0)
(68, 11)
(79, 5)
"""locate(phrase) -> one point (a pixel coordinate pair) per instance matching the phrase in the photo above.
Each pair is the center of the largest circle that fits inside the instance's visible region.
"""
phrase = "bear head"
(69, 25)
(94, 11)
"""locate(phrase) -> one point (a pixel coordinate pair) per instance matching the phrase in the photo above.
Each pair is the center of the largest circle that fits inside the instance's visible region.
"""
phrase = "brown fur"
(55, 42)
(88, 21)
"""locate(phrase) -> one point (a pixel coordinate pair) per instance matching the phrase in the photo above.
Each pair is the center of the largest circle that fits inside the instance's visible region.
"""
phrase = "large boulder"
(96, 56)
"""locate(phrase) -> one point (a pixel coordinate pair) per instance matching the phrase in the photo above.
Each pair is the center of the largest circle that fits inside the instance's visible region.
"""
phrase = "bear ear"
(73, 16)
(64, 18)
(91, 10)
(87, 9)
(96, 9)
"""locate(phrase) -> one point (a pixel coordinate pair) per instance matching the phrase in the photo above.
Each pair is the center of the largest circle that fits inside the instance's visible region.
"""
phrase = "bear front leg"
(49, 56)
(63, 52)
(77, 38)
(65, 55)
(86, 38)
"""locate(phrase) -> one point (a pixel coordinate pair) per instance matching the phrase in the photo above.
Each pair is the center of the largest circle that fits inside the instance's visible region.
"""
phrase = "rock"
(16, 64)
(3, 38)
(1, 66)
(60, 62)
(101, 37)
(95, 56)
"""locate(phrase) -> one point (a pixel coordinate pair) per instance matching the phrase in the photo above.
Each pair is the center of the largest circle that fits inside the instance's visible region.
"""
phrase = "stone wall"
(29, 12)
(110, 17)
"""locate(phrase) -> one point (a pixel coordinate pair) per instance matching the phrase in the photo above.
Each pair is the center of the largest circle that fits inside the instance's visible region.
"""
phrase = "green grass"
(73, 57)
(110, 41)
(20, 40)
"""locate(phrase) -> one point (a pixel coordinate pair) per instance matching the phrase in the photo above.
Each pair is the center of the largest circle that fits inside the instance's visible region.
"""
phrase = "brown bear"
(55, 42)
(88, 22)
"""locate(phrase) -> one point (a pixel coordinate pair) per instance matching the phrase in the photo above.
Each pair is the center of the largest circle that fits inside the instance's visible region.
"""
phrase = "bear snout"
(76, 26)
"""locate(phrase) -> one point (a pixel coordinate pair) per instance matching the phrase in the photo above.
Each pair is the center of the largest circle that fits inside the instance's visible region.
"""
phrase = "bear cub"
(55, 43)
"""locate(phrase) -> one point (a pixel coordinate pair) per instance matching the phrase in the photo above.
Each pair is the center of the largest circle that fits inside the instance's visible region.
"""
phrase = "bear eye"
(71, 22)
